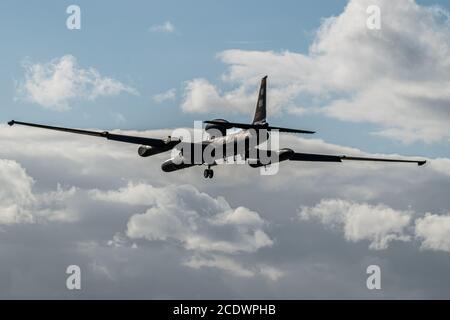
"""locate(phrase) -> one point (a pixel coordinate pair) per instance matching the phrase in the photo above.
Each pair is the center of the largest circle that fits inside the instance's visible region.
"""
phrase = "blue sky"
(115, 40)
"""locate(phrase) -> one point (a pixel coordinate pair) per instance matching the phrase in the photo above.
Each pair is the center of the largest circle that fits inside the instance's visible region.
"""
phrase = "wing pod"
(271, 157)
(175, 165)
(147, 151)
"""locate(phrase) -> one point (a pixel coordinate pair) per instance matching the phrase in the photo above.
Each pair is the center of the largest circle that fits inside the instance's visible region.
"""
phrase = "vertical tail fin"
(260, 112)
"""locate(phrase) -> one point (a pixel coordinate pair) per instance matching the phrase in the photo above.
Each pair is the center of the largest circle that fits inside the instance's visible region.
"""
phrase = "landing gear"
(208, 173)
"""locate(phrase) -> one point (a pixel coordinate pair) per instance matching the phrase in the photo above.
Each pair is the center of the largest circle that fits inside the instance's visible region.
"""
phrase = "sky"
(148, 67)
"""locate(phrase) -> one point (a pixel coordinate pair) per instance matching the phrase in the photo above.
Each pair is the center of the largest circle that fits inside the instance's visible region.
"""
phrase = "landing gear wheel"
(208, 173)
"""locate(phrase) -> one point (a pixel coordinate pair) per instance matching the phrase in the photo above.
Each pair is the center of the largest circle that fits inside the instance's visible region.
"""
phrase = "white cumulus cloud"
(378, 224)
(434, 231)
(196, 220)
(55, 84)
(207, 227)
(397, 77)
(20, 204)
(201, 96)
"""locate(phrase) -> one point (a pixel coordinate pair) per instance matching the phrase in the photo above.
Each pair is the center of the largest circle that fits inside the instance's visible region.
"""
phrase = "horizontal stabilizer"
(229, 125)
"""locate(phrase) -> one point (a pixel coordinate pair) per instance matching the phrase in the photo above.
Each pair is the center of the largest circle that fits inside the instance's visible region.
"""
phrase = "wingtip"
(421, 163)
(10, 123)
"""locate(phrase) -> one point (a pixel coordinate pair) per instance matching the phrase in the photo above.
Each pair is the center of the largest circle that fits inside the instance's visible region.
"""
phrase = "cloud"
(378, 224)
(200, 96)
(441, 165)
(233, 267)
(219, 262)
(271, 272)
(193, 219)
(166, 27)
(168, 95)
(55, 84)
(113, 186)
(15, 194)
(208, 227)
(19, 204)
(434, 230)
(396, 77)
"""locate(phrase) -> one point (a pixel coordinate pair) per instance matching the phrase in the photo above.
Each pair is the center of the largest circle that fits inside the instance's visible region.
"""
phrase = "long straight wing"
(332, 158)
(229, 125)
(281, 129)
(157, 143)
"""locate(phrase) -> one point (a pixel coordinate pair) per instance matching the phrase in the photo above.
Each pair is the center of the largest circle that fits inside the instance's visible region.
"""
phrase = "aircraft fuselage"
(242, 143)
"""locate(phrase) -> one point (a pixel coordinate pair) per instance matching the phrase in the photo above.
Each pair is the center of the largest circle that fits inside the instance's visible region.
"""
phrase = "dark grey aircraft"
(221, 145)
